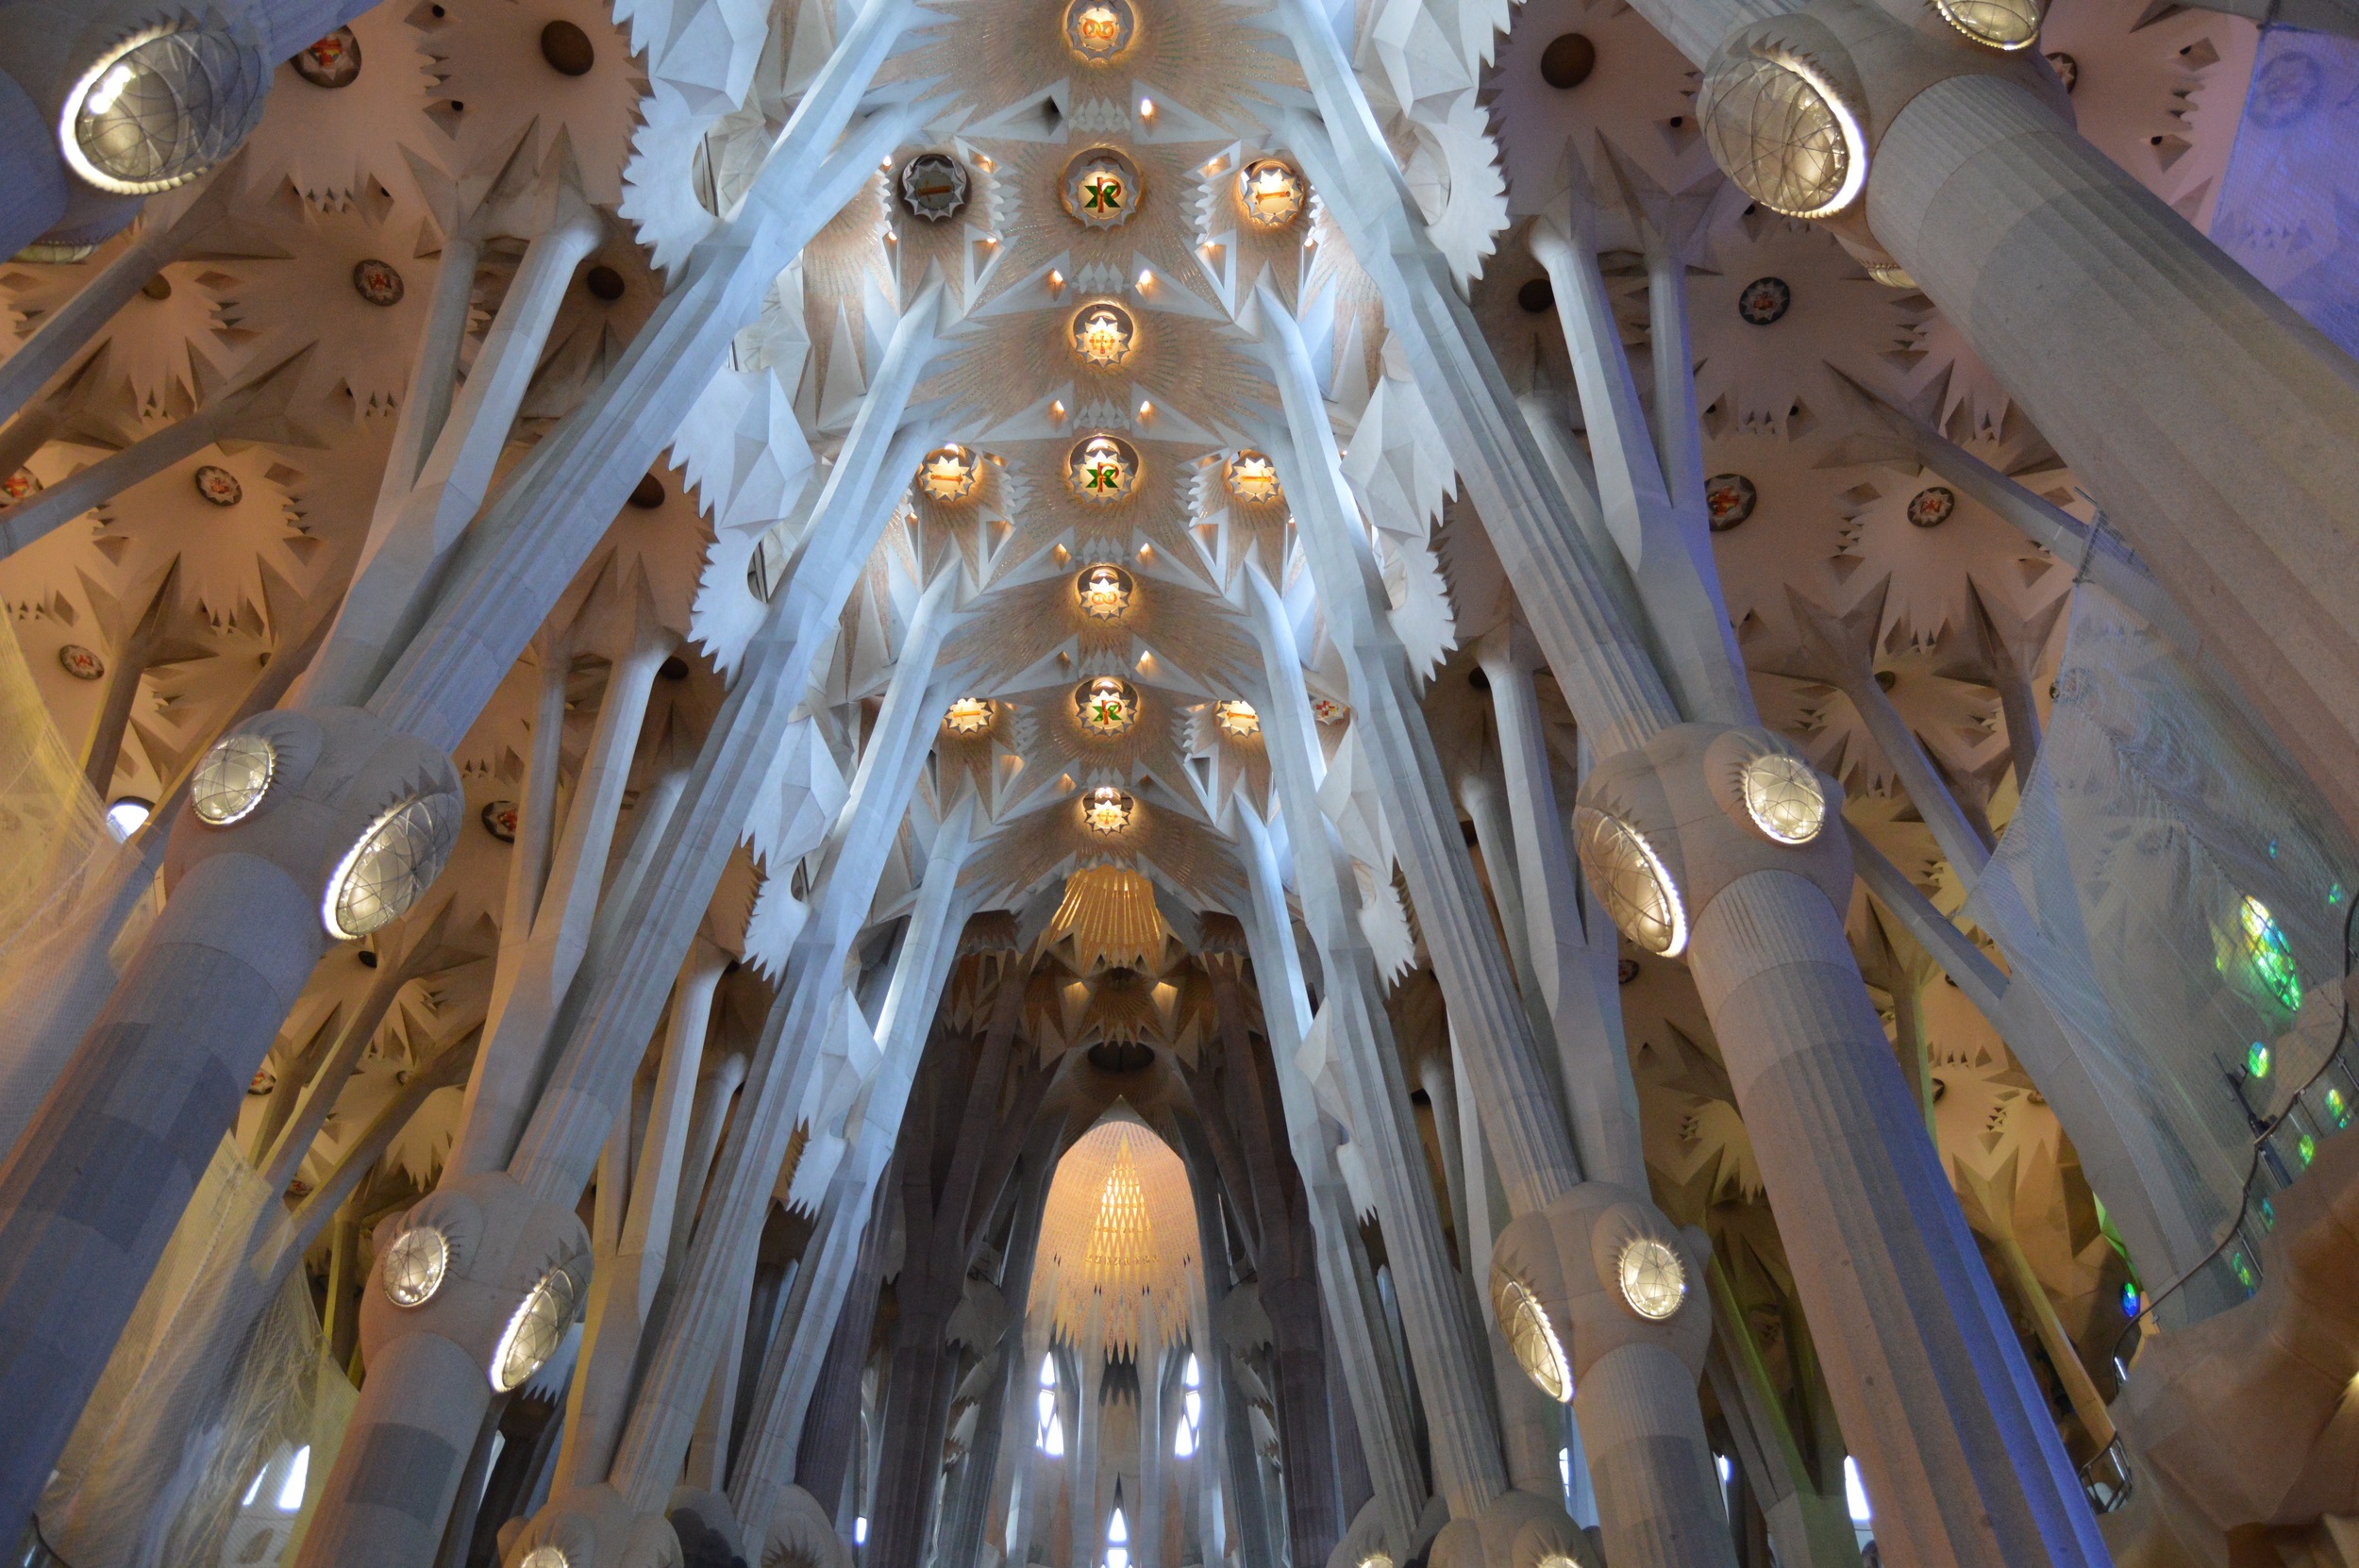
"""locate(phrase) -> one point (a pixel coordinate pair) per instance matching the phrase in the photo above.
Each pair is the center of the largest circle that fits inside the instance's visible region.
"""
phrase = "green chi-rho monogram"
(1102, 193)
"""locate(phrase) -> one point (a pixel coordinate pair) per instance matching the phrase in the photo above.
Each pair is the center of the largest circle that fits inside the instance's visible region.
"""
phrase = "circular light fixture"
(1103, 468)
(1105, 592)
(1631, 879)
(546, 1556)
(532, 1335)
(968, 716)
(160, 108)
(332, 61)
(1783, 132)
(1729, 499)
(1108, 706)
(1931, 507)
(1236, 717)
(1103, 335)
(933, 187)
(1272, 191)
(1253, 477)
(948, 473)
(218, 486)
(1101, 189)
(233, 778)
(1532, 1337)
(1653, 1279)
(1782, 796)
(1106, 809)
(1100, 31)
(2005, 25)
(415, 1265)
(390, 867)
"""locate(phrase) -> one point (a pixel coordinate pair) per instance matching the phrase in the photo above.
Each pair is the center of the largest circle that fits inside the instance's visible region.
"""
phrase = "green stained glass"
(2268, 955)
(2256, 1060)
(2307, 1147)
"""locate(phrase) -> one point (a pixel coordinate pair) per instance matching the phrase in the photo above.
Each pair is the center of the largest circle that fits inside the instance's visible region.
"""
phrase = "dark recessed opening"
(1536, 297)
(605, 282)
(567, 49)
(1121, 1056)
(673, 668)
(647, 494)
(1566, 62)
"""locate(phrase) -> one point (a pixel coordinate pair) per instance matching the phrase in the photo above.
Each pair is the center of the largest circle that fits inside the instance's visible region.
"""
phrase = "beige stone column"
(2220, 430)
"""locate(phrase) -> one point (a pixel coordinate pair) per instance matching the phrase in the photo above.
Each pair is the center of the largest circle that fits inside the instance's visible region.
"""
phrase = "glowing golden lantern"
(948, 473)
(1098, 31)
(1106, 809)
(968, 716)
(1105, 592)
(1101, 189)
(1272, 191)
(1107, 706)
(1102, 335)
(1103, 468)
(1237, 720)
(1253, 477)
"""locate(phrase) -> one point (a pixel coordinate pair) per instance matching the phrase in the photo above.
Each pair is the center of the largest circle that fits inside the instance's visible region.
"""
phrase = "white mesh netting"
(2177, 893)
(217, 1416)
(63, 884)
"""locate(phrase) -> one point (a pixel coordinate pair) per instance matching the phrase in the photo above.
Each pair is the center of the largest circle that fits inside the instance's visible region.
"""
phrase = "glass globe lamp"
(533, 1334)
(160, 108)
(233, 778)
(1632, 880)
(415, 1265)
(1653, 1279)
(1782, 796)
(390, 867)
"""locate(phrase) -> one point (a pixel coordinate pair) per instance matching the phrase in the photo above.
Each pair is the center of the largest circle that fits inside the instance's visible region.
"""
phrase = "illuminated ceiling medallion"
(1931, 507)
(1236, 718)
(968, 716)
(1101, 189)
(1329, 711)
(933, 187)
(219, 486)
(1632, 880)
(20, 484)
(1100, 31)
(162, 106)
(1103, 468)
(1107, 706)
(948, 473)
(1106, 809)
(1105, 592)
(379, 282)
(1103, 335)
(1272, 191)
(1729, 499)
(1764, 301)
(331, 62)
(1252, 477)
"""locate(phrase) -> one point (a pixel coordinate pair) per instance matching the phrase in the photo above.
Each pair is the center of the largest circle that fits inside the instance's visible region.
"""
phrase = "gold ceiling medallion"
(1107, 706)
(1103, 468)
(1103, 335)
(968, 716)
(948, 473)
(1101, 189)
(933, 187)
(1252, 477)
(1101, 31)
(1106, 810)
(1272, 191)
(1237, 720)
(1105, 592)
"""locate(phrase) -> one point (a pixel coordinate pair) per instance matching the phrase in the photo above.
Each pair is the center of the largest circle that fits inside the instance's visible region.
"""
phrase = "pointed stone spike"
(1838, 648)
